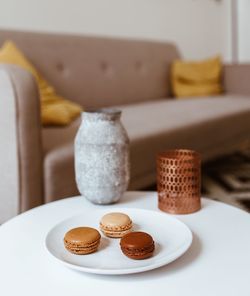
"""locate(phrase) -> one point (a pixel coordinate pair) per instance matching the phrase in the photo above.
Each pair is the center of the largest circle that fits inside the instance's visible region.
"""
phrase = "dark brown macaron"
(137, 245)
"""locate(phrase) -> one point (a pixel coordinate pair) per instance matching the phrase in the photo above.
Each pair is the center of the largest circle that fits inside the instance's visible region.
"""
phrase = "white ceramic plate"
(172, 239)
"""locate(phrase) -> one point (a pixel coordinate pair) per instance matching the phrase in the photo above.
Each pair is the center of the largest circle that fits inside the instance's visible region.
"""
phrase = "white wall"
(199, 27)
(243, 31)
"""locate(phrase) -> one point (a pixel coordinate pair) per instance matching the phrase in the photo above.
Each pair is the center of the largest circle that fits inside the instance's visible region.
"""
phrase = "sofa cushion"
(209, 125)
(199, 78)
(55, 110)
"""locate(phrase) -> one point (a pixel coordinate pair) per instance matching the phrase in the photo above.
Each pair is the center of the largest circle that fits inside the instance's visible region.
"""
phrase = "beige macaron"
(115, 225)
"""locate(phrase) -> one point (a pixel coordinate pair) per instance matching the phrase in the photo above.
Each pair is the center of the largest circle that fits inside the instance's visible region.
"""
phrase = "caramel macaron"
(82, 240)
(115, 225)
(137, 245)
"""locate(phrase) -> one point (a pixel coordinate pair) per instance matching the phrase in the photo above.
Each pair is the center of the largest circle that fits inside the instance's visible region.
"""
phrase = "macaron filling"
(138, 252)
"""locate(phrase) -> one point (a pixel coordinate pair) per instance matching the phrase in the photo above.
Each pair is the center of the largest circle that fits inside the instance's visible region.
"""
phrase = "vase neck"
(104, 114)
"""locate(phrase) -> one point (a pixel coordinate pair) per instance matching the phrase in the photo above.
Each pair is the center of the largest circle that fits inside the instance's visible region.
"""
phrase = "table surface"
(217, 263)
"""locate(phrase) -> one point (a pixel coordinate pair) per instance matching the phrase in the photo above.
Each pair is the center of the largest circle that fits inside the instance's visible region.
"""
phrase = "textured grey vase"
(102, 156)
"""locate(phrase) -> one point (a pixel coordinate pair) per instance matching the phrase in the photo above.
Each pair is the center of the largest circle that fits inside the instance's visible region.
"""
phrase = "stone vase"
(102, 156)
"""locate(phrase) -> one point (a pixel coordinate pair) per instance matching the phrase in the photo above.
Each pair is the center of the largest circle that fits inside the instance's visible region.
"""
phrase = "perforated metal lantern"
(178, 181)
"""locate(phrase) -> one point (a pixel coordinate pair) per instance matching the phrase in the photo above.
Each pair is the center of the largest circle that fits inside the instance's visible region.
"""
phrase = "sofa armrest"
(236, 79)
(20, 148)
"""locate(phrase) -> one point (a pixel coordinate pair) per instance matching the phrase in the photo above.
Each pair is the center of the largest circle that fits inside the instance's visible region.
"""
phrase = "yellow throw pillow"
(55, 110)
(196, 78)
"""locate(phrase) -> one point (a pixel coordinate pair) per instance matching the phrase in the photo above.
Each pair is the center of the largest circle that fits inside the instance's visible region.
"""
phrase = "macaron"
(137, 245)
(115, 225)
(82, 240)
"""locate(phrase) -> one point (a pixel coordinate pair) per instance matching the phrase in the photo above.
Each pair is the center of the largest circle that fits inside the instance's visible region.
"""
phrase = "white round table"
(217, 263)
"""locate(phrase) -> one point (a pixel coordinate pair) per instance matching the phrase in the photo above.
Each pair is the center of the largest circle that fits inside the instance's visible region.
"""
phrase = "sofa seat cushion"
(55, 137)
(208, 125)
(171, 116)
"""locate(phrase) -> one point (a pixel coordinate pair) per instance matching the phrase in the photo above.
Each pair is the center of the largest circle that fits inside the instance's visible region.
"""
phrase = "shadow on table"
(181, 263)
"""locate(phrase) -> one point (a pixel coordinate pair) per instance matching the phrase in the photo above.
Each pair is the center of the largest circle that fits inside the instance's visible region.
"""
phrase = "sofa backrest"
(96, 71)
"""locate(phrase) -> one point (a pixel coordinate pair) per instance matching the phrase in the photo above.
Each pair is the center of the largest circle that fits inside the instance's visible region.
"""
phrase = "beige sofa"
(36, 163)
